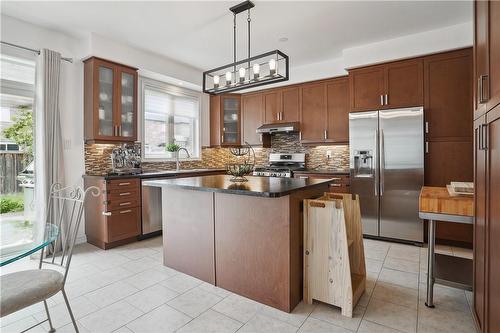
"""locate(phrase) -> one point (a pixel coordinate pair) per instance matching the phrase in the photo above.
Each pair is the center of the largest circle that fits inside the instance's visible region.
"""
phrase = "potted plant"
(172, 150)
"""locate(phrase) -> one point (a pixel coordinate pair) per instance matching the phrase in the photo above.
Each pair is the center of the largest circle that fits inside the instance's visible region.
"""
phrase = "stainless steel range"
(282, 165)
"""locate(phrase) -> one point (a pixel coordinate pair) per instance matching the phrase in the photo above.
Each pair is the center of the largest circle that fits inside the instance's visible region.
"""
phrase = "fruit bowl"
(239, 171)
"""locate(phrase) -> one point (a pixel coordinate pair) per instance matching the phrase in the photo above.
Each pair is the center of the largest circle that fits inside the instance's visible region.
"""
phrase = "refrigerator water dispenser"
(363, 163)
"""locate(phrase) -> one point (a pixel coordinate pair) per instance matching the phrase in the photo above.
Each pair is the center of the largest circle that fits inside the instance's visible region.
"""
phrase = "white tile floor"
(127, 289)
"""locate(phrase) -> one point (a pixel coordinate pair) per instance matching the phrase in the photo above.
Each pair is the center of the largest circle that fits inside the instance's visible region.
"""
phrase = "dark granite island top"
(255, 186)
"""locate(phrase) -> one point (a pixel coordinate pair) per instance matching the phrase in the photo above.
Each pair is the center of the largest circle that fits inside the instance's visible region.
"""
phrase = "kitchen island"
(243, 237)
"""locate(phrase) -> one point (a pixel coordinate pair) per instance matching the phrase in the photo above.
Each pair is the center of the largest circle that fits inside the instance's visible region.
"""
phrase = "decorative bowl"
(239, 171)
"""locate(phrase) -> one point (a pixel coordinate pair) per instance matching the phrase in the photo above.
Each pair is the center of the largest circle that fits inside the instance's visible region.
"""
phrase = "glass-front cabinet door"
(110, 101)
(106, 124)
(230, 120)
(127, 110)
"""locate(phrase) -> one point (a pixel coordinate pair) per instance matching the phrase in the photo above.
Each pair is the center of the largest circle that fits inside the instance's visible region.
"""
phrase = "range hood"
(277, 128)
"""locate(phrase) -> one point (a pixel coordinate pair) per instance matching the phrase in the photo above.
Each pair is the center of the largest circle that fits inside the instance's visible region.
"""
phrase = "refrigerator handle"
(375, 168)
(382, 161)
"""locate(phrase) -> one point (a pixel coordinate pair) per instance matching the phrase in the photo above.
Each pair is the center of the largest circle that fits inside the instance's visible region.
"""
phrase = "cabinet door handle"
(426, 127)
(426, 147)
(300, 136)
(119, 130)
(124, 193)
(125, 203)
(482, 97)
(336, 185)
(123, 184)
(106, 213)
(222, 138)
(381, 99)
(326, 134)
(125, 211)
(484, 136)
(386, 99)
(304, 177)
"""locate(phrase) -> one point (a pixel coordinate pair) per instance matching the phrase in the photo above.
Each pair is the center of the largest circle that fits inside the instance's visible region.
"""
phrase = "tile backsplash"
(97, 156)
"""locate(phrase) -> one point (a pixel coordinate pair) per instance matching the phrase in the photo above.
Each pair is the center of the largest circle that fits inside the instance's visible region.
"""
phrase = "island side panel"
(188, 232)
(252, 248)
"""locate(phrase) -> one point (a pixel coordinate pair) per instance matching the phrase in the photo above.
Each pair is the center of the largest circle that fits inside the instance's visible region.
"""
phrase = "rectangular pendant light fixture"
(266, 68)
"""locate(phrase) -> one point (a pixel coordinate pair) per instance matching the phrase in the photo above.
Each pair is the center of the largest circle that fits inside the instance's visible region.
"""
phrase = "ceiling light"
(276, 63)
(283, 39)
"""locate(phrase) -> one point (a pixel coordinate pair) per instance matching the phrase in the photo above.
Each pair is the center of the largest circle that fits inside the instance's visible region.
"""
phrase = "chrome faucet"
(177, 158)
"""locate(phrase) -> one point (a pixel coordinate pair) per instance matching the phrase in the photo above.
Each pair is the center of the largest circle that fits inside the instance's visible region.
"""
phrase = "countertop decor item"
(266, 68)
(238, 171)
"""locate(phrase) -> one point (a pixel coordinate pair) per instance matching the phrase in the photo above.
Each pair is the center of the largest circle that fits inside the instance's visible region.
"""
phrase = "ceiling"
(200, 33)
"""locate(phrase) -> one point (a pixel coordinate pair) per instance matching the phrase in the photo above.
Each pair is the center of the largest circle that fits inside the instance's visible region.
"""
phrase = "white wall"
(449, 38)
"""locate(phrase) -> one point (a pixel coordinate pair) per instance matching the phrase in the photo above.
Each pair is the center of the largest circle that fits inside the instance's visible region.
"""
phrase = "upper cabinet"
(324, 111)
(448, 96)
(313, 112)
(487, 56)
(392, 85)
(225, 120)
(251, 117)
(110, 101)
(337, 110)
(272, 106)
(290, 105)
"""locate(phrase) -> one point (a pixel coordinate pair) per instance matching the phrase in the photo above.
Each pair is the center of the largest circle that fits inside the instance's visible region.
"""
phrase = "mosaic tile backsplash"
(97, 156)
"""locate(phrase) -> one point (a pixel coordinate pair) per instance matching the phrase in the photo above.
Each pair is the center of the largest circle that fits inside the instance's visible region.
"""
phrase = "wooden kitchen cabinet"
(392, 85)
(487, 222)
(448, 161)
(114, 217)
(251, 117)
(479, 282)
(290, 104)
(367, 87)
(340, 182)
(337, 109)
(272, 106)
(448, 95)
(404, 84)
(313, 112)
(110, 101)
(225, 120)
(486, 81)
(486, 56)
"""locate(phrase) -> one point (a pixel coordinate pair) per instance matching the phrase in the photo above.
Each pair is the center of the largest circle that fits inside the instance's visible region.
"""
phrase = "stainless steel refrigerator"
(387, 170)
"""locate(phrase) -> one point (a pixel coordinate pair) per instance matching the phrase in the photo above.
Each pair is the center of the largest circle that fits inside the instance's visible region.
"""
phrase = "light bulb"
(272, 66)
(242, 74)
(216, 81)
(228, 78)
(256, 71)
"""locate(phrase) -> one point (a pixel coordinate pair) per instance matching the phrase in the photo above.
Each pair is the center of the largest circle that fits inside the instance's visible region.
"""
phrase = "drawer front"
(340, 188)
(123, 194)
(123, 223)
(118, 202)
(119, 184)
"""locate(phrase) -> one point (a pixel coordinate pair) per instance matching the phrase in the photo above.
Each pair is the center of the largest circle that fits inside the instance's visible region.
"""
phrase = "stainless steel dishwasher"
(151, 210)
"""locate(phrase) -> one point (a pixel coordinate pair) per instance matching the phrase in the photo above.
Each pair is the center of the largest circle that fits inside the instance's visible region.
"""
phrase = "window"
(169, 115)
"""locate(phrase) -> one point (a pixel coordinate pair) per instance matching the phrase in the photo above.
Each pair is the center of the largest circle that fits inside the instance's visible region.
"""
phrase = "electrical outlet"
(328, 154)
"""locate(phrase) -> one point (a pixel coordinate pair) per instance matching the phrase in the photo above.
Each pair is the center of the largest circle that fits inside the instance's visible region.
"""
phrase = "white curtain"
(49, 164)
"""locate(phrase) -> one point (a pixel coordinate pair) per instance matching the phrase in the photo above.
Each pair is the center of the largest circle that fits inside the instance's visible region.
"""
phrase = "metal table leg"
(430, 264)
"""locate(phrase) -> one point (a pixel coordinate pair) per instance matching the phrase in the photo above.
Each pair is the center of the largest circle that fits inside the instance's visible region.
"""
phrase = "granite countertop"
(157, 173)
(255, 186)
(324, 171)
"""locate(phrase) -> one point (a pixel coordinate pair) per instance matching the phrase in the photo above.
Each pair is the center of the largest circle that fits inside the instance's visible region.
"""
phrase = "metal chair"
(25, 288)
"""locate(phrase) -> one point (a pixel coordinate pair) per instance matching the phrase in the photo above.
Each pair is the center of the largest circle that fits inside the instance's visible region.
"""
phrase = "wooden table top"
(437, 200)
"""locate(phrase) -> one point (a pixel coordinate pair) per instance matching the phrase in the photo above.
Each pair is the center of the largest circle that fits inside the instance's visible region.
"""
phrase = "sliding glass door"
(17, 91)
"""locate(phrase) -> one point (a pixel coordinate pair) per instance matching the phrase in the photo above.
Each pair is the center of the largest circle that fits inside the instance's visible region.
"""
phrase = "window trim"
(145, 82)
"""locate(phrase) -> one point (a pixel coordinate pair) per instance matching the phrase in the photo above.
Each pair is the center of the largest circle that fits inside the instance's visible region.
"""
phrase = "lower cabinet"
(340, 183)
(114, 217)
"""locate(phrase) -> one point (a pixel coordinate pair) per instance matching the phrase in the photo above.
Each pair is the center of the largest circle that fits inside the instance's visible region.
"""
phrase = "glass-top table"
(51, 234)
